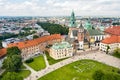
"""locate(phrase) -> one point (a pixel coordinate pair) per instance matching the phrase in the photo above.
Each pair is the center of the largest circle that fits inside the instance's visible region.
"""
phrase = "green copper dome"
(88, 25)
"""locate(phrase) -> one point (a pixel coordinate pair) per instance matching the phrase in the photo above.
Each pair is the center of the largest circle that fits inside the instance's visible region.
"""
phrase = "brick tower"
(81, 36)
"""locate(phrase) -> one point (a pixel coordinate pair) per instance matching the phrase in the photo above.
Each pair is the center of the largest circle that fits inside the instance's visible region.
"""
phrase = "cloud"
(59, 7)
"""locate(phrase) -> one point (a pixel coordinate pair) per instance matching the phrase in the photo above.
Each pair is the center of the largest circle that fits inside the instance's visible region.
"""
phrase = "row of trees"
(12, 64)
(54, 28)
(100, 75)
(22, 34)
(35, 36)
(7, 35)
(27, 28)
(116, 23)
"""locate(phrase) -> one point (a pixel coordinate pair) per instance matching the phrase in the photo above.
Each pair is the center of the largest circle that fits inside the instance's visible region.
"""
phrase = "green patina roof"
(61, 45)
(72, 20)
(93, 32)
(88, 25)
(102, 28)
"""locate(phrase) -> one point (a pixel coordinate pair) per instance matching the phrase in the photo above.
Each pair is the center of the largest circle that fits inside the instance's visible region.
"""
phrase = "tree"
(117, 51)
(98, 75)
(35, 36)
(12, 76)
(1, 45)
(13, 50)
(12, 63)
(111, 76)
(116, 23)
(107, 50)
(54, 28)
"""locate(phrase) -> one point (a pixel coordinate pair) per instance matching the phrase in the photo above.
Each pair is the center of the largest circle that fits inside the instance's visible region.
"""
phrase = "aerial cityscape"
(59, 40)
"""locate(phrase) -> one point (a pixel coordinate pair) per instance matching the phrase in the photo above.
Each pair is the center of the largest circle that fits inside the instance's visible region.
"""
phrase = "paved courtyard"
(98, 56)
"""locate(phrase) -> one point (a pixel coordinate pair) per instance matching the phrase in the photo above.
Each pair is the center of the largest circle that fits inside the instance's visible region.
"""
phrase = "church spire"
(72, 20)
(81, 26)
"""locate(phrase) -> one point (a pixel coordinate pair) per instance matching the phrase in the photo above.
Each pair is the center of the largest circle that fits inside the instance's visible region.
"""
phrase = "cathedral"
(76, 33)
(83, 33)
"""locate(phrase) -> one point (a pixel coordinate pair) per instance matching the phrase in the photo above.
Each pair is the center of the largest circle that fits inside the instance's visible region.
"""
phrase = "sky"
(59, 7)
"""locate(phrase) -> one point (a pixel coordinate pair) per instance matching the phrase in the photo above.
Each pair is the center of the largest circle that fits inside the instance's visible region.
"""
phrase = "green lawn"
(38, 63)
(51, 60)
(23, 67)
(79, 70)
(24, 73)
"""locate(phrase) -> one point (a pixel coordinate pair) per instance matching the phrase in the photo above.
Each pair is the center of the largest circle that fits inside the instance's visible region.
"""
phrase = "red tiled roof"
(35, 41)
(3, 52)
(111, 39)
(114, 30)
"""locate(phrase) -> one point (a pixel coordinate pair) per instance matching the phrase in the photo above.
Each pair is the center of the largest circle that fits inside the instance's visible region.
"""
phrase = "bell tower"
(72, 25)
(81, 36)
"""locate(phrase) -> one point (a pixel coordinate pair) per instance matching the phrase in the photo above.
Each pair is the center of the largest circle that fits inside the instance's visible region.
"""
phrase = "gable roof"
(3, 52)
(114, 30)
(94, 32)
(111, 39)
(34, 42)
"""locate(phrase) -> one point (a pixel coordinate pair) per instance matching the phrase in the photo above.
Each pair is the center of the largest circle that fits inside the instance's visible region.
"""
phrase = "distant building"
(112, 39)
(45, 33)
(30, 37)
(61, 50)
(10, 40)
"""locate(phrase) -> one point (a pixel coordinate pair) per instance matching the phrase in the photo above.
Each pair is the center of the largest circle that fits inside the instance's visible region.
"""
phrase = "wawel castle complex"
(79, 35)
(112, 39)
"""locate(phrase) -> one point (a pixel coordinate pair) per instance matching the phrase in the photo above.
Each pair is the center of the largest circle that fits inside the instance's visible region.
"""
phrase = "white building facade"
(113, 42)
(61, 50)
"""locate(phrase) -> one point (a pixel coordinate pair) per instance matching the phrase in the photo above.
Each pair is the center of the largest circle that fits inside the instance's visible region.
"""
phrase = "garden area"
(116, 53)
(84, 70)
(23, 72)
(38, 63)
(12, 64)
(51, 60)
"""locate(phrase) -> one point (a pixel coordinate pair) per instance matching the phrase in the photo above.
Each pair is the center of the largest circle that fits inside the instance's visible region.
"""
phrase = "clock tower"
(81, 36)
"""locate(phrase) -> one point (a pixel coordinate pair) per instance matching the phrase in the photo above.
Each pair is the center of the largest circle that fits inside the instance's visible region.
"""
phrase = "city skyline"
(59, 7)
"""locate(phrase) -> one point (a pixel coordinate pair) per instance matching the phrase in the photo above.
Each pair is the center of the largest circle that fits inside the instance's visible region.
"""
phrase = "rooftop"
(93, 32)
(114, 30)
(61, 45)
(34, 42)
(3, 52)
(111, 39)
